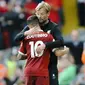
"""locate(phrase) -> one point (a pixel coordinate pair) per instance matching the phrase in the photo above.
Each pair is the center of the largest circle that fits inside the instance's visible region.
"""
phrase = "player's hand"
(61, 51)
(40, 48)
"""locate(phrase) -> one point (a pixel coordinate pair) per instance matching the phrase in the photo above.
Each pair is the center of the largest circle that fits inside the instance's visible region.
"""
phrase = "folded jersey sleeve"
(22, 49)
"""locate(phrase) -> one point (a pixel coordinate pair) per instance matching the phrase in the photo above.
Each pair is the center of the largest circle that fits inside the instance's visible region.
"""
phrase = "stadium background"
(69, 15)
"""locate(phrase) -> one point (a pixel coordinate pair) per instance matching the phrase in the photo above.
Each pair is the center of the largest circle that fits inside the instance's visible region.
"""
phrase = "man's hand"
(40, 48)
(66, 50)
(61, 51)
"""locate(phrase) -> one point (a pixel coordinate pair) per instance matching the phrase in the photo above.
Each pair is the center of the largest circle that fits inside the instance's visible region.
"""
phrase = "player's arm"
(58, 39)
(61, 51)
(20, 36)
(21, 56)
(22, 52)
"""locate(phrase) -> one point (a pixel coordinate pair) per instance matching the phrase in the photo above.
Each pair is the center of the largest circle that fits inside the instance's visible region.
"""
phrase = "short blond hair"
(43, 5)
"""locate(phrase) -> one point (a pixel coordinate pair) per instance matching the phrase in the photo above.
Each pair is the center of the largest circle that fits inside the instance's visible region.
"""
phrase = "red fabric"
(59, 3)
(54, 16)
(30, 6)
(55, 3)
(32, 80)
(3, 9)
(6, 39)
(37, 66)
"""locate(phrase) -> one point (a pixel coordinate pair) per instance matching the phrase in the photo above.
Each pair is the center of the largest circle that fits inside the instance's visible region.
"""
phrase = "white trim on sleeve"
(53, 49)
(21, 53)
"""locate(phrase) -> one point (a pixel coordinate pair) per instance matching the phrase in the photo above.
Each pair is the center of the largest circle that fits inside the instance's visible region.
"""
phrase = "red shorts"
(36, 80)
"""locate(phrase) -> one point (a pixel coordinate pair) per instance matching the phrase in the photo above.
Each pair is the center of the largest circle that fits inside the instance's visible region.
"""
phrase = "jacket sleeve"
(20, 36)
(58, 39)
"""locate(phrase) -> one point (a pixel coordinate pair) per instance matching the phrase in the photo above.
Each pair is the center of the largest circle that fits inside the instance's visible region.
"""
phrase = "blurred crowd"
(71, 66)
(13, 16)
(11, 71)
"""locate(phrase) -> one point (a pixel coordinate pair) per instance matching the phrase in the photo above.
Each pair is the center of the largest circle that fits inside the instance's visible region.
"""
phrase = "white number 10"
(33, 49)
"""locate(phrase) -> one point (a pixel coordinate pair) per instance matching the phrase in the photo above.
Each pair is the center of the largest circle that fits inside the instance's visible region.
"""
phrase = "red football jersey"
(36, 65)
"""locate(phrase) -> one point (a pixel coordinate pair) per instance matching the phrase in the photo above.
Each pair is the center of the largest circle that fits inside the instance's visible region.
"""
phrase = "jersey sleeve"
(22, 49)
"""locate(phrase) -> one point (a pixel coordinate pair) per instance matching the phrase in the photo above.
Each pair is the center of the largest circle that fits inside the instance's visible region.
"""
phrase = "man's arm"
(25, 32)
(22, 53)
(54, 44)
(20, 36)
(58, 39)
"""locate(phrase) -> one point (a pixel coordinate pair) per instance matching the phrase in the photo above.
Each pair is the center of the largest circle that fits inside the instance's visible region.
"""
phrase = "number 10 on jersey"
(34, 47)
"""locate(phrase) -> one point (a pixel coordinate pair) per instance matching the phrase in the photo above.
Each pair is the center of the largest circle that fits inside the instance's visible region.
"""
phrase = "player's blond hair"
(43, 5)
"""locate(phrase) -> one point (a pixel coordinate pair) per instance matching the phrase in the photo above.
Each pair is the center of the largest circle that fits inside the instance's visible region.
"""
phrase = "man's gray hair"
(43, 5)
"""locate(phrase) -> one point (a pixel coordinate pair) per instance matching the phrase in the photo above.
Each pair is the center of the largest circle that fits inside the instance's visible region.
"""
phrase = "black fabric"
(58, 43)
(76, 51)
(81, 14)
(53, 76)
(20, 36)
(1, 41)
(13, 23)
(54, 30)
(78, 69)
(9, 82)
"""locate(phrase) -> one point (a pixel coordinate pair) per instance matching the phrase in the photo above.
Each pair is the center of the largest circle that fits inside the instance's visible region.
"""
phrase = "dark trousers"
(78, 68)
(53, 76)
